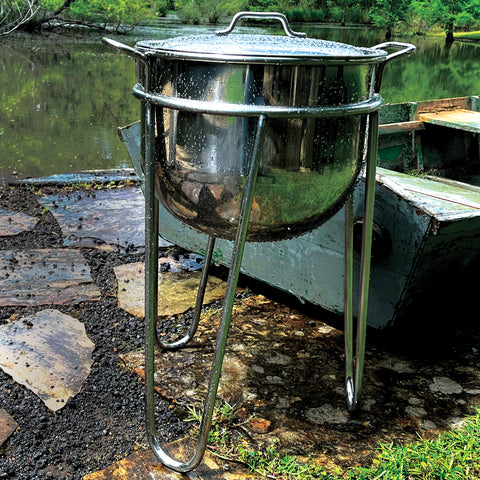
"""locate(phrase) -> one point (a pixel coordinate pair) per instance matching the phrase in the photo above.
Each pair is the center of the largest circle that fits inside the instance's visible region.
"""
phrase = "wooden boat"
(426, 243)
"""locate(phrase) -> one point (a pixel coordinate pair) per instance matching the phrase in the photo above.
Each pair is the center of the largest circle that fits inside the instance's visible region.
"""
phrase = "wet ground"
(71, 340)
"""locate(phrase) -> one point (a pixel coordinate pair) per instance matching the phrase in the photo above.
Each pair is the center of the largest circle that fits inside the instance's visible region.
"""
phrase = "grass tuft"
(453, 455)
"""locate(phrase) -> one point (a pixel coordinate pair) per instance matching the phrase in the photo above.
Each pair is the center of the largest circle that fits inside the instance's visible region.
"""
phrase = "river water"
(62, 99)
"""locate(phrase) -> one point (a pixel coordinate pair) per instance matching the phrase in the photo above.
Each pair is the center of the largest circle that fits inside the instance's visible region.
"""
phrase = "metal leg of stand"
(198, 304)
(348, 305)
(354, 381)
(151, 294)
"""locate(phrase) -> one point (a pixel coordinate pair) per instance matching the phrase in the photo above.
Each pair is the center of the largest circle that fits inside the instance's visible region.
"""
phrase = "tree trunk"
(63, 7)
(32, 17)
(449, 33)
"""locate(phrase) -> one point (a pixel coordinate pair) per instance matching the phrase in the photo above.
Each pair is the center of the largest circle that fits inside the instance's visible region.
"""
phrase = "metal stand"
(353, 380)
(198, 304)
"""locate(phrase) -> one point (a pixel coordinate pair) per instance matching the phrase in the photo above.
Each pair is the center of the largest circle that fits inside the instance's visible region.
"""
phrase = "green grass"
(453, 455)
(467, 35)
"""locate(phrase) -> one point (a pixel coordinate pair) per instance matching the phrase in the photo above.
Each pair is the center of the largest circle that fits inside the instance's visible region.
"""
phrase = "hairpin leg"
(354, 380)
(348, 307)
(198, 304)
(151, 304)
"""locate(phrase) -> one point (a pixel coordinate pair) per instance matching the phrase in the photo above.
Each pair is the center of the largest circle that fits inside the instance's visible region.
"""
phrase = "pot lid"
(263, 48)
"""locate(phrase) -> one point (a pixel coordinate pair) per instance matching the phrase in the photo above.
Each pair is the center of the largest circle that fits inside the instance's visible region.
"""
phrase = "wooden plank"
(460, 119)
(311, 266)
(454, 183)
(400, 127)
(441, 104)
(442, 200)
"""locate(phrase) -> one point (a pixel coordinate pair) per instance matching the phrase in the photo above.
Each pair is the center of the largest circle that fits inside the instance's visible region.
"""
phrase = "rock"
(446, 386)
(258, 425)
(49, 353)
(429, 425)
(7, 425)
(176, 293)
(326, 414)
(12, 223)
(399, 366)
(472, 391)
(143, 465)
(416, 411)
(45, 277)
(113, 216)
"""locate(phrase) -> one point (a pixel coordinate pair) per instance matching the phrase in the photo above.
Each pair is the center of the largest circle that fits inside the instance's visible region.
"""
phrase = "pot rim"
(259, 49)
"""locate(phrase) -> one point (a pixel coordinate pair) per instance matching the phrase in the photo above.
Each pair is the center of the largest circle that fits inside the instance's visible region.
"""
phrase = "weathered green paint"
(461, 119)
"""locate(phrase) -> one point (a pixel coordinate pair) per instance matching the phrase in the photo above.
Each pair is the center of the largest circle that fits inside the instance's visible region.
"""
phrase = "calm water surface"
(62, 100)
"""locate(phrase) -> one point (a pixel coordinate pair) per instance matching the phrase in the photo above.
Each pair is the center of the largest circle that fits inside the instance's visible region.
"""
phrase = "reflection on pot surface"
(308, 165)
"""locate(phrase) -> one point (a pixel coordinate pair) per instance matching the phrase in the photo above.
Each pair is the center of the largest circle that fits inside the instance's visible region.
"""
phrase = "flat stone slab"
(49, 353)
(177, 291)
(269, 346)
(143, 465)
(45, 277)
(13, 223)
(287, 369)
(115, 216)
(7, 425)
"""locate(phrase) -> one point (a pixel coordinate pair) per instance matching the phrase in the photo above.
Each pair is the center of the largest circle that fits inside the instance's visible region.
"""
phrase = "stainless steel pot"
(208, 91)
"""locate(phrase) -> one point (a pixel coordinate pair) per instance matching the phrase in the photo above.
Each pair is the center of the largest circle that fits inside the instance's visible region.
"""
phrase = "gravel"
(105, 421)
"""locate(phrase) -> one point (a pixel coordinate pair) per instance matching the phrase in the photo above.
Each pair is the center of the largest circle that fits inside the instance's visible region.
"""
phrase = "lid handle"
(264, 16)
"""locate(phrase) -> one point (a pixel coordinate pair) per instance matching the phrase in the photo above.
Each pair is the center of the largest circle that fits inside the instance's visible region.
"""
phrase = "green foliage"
(271, 464)
(299, 14)
(263, 5)
(337, 11)
(117, 12)
(227, 440)
(51, 4)
(389, 14)
(446, 14)
(30, 14)
(162, 7)
(417, 15)
(197, 11)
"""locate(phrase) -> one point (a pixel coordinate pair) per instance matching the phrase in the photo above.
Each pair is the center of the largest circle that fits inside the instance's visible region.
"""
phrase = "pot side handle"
(264, 16)
(403, 49)
(131, 52)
